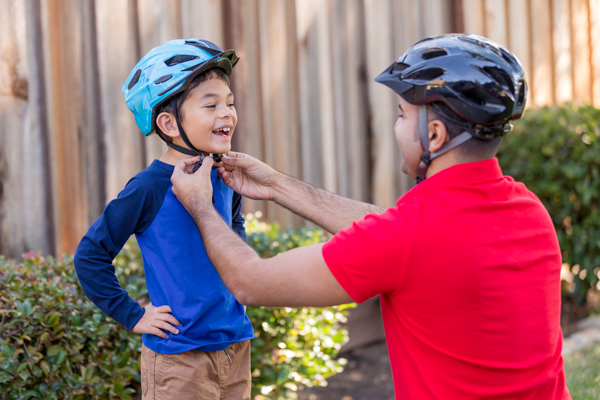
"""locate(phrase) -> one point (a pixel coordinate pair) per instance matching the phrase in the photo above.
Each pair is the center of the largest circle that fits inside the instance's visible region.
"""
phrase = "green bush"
(54, 343)
(555, 151)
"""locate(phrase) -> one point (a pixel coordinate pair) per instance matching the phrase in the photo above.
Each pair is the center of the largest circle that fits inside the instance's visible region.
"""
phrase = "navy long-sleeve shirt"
(178, 271)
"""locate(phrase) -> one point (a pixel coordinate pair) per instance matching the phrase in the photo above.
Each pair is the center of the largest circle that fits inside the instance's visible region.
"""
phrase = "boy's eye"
(210, 106)
(231, 105)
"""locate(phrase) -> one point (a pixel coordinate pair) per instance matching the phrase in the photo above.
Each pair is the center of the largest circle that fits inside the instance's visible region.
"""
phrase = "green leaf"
(54, 350)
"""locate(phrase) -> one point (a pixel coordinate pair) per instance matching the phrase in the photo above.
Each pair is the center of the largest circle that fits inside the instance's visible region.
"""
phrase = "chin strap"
(191, 150)
(427, 157)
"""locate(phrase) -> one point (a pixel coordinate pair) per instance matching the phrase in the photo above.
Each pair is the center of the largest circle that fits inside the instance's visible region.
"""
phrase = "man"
(467, 264)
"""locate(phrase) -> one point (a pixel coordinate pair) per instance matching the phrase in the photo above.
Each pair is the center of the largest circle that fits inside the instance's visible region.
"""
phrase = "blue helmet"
(162, 73)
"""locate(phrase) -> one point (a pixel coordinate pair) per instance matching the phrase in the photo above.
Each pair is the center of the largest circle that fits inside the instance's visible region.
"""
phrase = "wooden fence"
(304, 91)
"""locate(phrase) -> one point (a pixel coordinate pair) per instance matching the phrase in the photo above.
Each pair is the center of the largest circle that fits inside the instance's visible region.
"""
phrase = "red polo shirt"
(468, 269)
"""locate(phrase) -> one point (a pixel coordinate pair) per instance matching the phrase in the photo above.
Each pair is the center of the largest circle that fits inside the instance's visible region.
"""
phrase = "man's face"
(406, 131)
(209, 116)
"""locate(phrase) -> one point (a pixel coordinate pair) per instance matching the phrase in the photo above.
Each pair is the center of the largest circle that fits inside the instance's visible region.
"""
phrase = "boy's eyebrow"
(215, 95)
(400, 107)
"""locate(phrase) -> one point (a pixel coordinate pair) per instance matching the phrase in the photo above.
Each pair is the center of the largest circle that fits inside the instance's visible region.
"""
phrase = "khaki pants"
(197, 375)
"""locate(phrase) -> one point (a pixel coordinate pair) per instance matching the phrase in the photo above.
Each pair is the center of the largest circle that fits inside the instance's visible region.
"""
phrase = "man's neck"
(448, 160)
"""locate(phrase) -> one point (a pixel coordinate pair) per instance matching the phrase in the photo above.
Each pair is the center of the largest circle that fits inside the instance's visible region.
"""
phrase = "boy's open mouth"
(222, 132)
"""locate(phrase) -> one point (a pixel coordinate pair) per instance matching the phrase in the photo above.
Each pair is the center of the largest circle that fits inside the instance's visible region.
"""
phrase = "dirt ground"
(367, 377)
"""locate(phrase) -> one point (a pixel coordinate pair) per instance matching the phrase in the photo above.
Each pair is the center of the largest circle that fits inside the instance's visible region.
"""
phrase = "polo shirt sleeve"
(370, 257)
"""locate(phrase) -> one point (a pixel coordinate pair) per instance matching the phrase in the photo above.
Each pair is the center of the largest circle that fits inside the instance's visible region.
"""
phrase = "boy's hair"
(214, 73)
(472, 149)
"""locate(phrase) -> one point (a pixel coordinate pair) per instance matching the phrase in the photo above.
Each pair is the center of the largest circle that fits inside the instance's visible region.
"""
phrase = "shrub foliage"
(54, 343)
(555, 151)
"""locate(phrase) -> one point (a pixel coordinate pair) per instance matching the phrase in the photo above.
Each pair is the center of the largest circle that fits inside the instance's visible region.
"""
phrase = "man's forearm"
(328, 210)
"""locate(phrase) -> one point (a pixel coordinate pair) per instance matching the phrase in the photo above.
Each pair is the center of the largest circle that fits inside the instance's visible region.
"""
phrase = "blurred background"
(305, 97)
(304, 90)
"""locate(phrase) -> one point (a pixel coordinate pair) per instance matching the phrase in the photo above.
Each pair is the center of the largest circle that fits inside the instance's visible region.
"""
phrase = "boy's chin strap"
(191, 150)
(427, 157)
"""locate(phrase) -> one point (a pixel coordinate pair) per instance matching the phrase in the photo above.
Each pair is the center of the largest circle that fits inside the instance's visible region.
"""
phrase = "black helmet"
(478, 79)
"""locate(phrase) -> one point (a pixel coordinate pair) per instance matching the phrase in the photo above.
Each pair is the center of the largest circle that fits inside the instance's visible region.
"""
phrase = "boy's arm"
(122, 217)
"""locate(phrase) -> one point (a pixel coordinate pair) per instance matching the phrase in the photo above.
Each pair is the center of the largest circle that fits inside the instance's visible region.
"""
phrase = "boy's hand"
(247, 176)
(156, 319)
(193, 189)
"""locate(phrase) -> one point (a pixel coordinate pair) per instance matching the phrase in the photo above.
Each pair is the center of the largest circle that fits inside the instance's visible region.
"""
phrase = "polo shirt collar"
(462, 174)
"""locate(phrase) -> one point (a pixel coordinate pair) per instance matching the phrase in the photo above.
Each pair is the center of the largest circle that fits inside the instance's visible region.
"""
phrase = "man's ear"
(167, 124)
(438, 135)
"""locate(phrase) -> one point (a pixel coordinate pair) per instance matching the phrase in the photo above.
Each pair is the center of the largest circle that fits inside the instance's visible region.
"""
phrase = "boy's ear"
(438, 135)
(167, 124)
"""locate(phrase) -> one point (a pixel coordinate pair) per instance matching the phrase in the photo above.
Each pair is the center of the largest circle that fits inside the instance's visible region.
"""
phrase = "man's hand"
(248, 176)
(155, 320)
(193, 189)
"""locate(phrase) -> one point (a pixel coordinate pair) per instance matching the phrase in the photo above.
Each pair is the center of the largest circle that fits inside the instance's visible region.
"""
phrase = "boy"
(201, 350)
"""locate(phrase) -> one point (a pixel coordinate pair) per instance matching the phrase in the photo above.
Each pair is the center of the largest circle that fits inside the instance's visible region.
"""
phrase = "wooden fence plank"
(595, 46)
(203, 19)
(495, 21)
(117, 55)
(307, 36)
(435, 23)
(246, 84)
(351, 126)
(62, 50)
(92, 139)
(519, 38)
(279, 77)
(580, 47)
(325, 83)
(159, 21)
(563, 67)
(380, 54)
(24, 221)
(541, 36)
(474, 17)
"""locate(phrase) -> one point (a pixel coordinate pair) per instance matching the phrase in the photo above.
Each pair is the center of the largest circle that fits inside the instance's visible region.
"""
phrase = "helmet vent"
(426, 75)
(399, 67)
(135, 79)
(521, 93)
(179, 58)
(501, 78)
(434, 52)
(163, 78)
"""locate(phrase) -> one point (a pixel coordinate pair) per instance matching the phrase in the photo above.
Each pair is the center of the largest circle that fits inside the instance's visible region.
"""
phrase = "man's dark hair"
(473, 149)
(180, 98)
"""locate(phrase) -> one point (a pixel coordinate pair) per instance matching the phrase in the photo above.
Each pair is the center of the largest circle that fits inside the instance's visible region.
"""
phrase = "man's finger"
(186, 162)
(164, 309)
(206, 166)
(236, 161)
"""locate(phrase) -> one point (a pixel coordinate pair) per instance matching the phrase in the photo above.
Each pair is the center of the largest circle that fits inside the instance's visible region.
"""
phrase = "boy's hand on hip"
(247, 175)
(155, 320)
(193, 189)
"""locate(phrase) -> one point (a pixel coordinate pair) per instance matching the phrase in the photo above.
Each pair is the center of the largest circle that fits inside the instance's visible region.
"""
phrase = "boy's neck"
(171, 156)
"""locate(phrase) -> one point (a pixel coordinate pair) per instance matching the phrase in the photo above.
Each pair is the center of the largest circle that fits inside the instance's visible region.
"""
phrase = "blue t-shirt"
(178, 271)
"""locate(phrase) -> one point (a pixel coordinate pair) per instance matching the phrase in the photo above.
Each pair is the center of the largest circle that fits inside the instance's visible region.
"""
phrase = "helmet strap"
(427, 157)
(191, 150)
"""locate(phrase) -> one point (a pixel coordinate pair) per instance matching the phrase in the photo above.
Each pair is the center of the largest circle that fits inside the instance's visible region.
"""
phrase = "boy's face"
(209, 116)
(406, 131)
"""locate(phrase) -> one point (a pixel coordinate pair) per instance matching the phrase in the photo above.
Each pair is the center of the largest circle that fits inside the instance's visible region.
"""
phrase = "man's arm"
(296, 278)
(254, 179)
